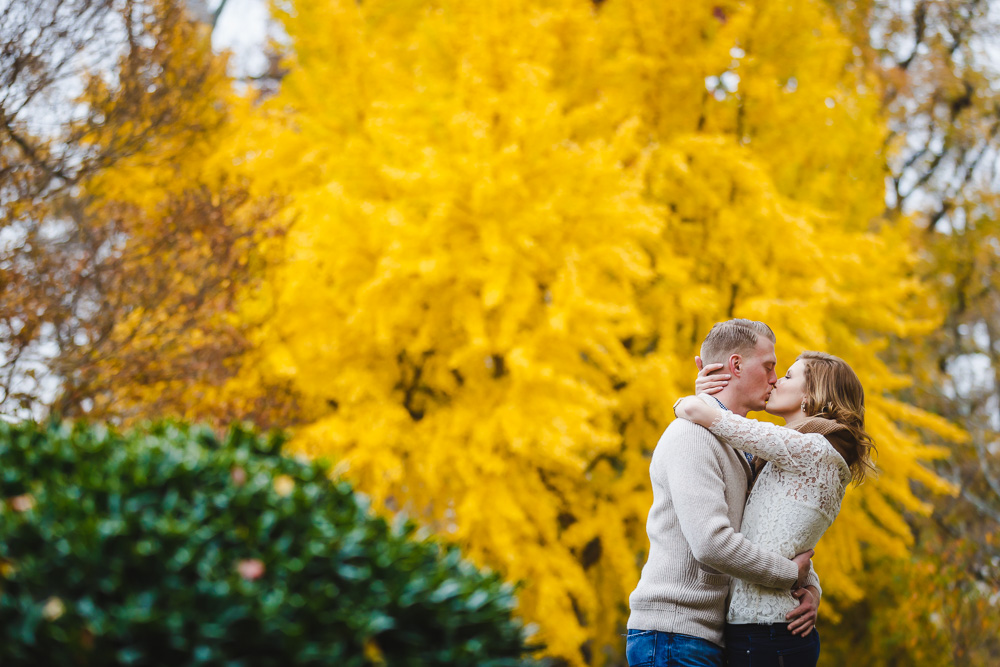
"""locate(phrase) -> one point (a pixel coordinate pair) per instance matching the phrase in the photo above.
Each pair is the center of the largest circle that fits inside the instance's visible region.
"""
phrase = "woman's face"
(786, 397)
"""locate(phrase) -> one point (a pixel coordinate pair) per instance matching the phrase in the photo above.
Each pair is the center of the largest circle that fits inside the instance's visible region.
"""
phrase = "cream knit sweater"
(699, 491)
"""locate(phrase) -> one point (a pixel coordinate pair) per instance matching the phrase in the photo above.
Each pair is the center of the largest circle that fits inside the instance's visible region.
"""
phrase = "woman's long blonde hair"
(833, 391)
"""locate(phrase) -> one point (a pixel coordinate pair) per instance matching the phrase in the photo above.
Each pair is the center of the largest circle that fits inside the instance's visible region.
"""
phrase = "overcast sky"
(242, 28)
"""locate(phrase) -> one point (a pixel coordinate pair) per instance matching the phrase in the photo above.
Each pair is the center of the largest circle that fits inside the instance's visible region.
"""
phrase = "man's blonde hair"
(738, 336)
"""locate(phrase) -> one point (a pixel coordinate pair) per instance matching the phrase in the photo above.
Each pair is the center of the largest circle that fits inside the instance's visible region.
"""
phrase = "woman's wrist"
(697, 410)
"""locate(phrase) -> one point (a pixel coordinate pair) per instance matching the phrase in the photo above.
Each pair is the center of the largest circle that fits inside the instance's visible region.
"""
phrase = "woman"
(802, 472)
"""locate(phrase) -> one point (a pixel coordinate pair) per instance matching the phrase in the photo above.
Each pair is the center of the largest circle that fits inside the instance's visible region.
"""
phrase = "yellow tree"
(775, 178)
(471, 248)
(509, 226)
(461, 271)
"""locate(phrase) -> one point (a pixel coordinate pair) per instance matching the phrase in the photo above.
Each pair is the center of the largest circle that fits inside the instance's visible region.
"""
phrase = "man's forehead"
(765, 350)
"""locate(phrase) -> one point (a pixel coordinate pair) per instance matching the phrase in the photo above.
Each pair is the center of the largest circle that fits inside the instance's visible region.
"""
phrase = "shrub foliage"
(167, 545)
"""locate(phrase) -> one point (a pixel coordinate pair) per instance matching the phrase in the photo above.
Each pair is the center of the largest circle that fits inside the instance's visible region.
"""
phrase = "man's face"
(758, 376)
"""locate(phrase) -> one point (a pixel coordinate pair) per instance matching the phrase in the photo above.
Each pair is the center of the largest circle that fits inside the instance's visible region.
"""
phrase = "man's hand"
(802, 619)
(802, 562)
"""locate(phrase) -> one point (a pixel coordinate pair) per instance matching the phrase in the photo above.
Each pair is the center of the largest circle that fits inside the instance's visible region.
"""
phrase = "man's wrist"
(790, 579)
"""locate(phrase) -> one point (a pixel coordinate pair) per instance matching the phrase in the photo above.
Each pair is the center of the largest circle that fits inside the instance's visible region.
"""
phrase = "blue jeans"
(650, 648)
(770, 646)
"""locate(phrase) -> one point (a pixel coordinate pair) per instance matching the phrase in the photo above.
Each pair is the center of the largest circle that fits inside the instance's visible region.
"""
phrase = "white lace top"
(795, 499)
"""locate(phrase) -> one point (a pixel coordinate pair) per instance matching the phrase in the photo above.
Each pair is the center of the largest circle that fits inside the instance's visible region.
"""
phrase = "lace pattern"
(795, 499)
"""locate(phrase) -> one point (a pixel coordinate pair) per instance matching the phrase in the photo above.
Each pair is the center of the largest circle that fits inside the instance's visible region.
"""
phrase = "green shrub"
(168, 546)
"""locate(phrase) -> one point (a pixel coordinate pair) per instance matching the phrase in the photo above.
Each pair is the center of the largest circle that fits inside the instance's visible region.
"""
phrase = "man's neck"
(732, 401)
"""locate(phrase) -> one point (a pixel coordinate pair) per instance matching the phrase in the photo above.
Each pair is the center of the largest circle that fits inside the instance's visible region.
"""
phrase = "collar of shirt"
(721, 404)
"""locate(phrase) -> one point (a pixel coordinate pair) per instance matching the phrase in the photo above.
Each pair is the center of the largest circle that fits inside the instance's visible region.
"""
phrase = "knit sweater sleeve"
(694, 475)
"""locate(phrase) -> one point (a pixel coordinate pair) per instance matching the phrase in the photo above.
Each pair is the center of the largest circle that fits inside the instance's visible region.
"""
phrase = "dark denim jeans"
(770, 646)
(649, 648)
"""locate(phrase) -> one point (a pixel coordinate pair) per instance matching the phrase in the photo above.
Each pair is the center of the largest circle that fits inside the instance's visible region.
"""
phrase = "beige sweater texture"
(699, 491)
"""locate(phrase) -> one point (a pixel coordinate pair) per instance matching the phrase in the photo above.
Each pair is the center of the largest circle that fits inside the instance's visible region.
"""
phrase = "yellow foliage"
(509, 226)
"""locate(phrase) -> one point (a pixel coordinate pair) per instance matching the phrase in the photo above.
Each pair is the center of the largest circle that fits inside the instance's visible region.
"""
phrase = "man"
(700, 487)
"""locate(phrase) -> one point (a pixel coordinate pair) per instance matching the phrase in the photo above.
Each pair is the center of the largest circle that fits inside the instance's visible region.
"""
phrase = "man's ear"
(735, 364)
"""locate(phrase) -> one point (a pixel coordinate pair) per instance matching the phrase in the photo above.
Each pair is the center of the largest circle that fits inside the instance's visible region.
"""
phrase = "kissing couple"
(739, 505)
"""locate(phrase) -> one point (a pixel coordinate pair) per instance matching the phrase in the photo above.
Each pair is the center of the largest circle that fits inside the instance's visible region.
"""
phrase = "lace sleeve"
(784, 447)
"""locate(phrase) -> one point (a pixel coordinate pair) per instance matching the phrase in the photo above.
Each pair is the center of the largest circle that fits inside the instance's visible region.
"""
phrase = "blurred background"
(467, 251)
